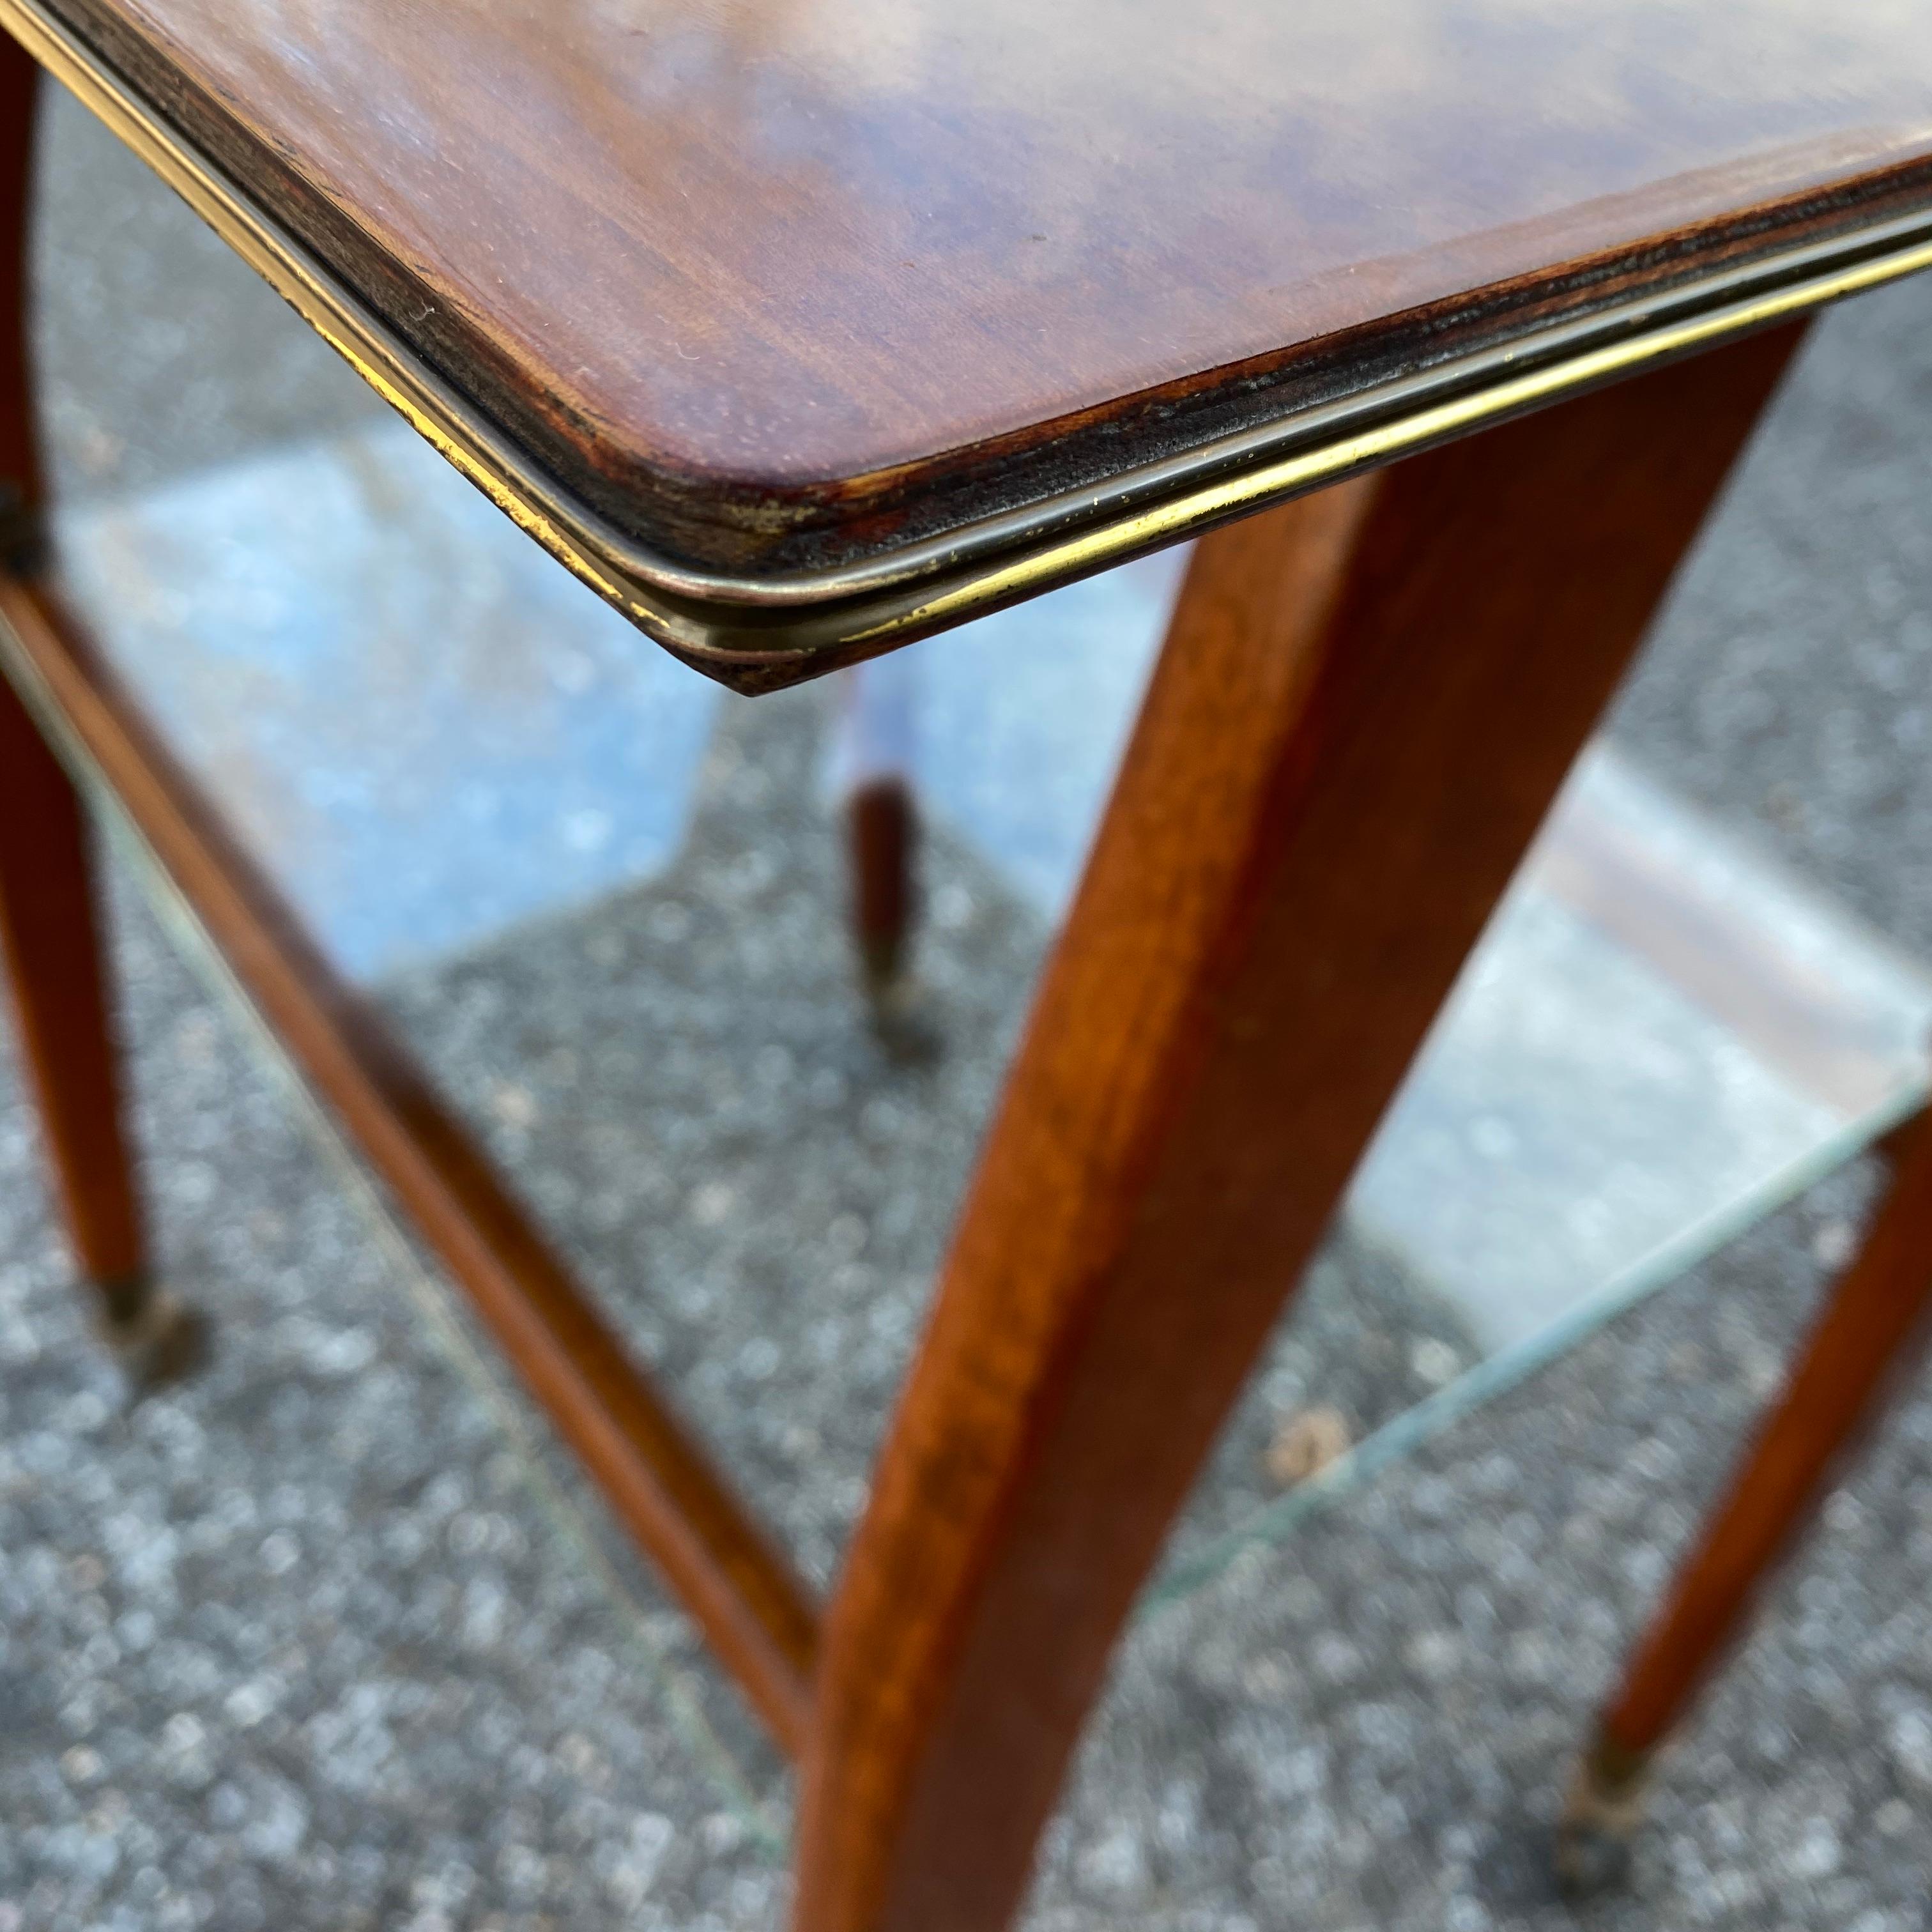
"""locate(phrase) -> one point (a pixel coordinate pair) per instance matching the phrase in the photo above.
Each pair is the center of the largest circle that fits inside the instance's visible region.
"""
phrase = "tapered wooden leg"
(881, 819)
(1874, 1330)
(883, 826)
(52, 948)
(1367, 702)
(48, 933)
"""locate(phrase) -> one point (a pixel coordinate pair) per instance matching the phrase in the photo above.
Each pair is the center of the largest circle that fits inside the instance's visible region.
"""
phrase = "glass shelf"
(603, 902)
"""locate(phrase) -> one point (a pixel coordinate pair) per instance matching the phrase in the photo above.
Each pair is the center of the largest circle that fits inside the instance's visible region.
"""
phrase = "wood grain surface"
(774, 283)
(50, 947)
(1366, 704)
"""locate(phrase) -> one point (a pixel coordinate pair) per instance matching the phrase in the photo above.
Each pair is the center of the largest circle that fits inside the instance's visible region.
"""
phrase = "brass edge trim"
(787, 619)
(335, 315)
(1298, 474)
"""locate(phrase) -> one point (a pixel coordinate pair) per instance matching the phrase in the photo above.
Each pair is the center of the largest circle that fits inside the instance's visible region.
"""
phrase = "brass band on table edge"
(760, 633)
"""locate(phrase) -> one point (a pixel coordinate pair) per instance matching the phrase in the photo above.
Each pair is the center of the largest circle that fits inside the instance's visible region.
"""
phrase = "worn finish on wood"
(742, 1591)
(1875, 1328)
(775, 282)
(1367, 700)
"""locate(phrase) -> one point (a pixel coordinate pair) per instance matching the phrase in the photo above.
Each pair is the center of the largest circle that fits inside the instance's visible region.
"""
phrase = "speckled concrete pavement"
(300, 1645)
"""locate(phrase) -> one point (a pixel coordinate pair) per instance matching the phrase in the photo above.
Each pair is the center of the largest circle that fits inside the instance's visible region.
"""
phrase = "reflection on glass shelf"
(1021, 718)
(1649, 986)
(423, 729)
(436, 742)
(428, 733)
(1662, 1039)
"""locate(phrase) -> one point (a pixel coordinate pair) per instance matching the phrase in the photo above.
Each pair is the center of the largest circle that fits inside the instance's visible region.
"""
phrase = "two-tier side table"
(802, 332)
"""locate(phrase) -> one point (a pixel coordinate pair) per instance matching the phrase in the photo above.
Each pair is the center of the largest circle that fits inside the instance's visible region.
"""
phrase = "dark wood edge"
(727, 1570)
(707, 521)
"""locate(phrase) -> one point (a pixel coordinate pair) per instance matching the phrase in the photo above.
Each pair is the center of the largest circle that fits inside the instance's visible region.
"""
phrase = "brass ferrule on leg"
(155, 1336)
(1601, 1815)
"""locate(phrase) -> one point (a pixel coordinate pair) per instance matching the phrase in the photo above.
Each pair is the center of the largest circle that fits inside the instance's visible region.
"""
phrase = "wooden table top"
(775, 286)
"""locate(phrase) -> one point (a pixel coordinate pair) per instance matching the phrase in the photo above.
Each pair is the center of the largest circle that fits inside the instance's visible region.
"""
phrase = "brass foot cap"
(901, 1016)
(156, 1336)
(1600, 1816)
